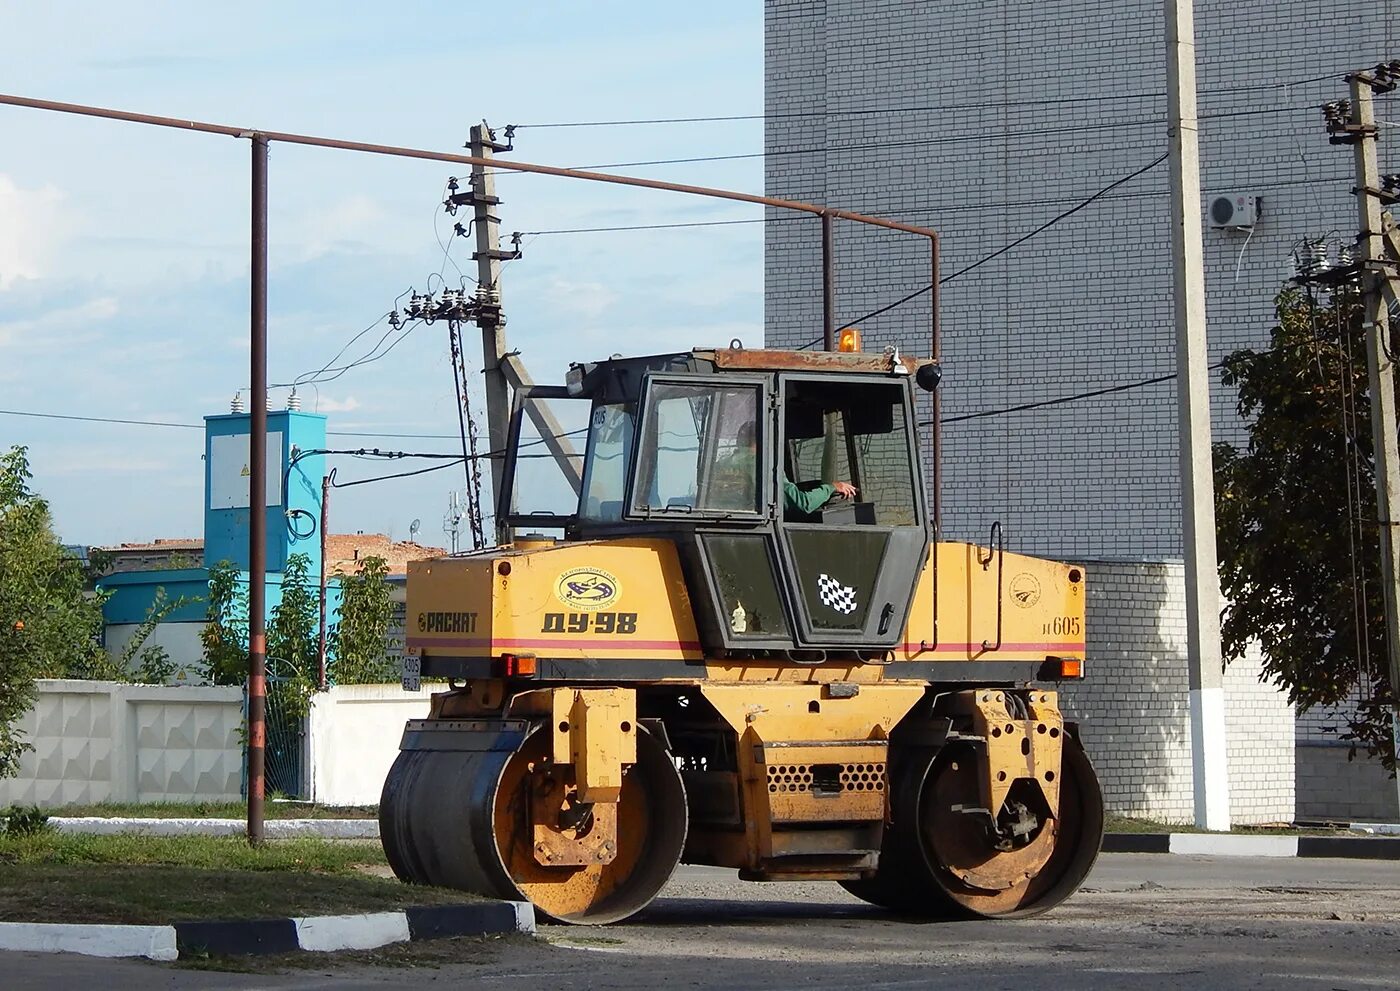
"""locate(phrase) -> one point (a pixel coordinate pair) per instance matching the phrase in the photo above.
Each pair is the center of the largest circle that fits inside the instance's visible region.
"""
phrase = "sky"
(124, 249)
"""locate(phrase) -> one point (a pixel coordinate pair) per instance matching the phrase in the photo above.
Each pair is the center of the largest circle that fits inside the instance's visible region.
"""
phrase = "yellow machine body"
(542, 601)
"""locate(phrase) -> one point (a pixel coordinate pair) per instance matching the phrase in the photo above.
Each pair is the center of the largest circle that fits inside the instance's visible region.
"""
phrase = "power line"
(939, 108)
(455, 460)
(941, 209)
(199, 426)
(99, 419)
(372, 355)
(1125, 387)
(1106, 391)
(1054, 220)
(880, 146)
(307, 377)
(1000, 251)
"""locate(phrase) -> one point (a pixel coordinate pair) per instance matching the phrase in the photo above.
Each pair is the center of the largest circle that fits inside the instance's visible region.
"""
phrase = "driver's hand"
(844, 490)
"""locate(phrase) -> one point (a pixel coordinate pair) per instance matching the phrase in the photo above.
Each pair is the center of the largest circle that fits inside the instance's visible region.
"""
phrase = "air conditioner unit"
(1234, 210)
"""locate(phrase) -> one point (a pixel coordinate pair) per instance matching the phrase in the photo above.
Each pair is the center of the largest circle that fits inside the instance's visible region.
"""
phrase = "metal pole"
(828, 284)
(1209, 764)
(325, 520)
(257, 499)
(1380, 369)
(936, 397)
(509, 165)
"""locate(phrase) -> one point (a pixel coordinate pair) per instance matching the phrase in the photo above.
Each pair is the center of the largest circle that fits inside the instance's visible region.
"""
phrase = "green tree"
(359, 642)
(293, 637)
(225, 634)
(1296, 517)
(49, 623)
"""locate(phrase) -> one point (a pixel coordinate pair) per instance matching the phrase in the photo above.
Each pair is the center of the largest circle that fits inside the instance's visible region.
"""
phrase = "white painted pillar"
(1209, 766)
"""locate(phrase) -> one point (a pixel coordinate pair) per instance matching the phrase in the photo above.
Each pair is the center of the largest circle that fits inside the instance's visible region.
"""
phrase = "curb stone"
(245, 937)
(1236, 845)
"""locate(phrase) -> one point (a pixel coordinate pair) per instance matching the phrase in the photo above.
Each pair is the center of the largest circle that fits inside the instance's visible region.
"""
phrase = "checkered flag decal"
(841, 598)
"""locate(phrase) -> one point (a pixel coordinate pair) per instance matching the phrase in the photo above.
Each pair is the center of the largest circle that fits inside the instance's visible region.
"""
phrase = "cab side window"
(699, 450)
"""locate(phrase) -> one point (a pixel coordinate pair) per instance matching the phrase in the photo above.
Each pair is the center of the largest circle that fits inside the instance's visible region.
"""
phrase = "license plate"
(412, 677)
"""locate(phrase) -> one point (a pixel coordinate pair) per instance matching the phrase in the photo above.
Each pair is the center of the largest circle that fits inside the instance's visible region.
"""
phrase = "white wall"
(354, 733)
(1133, 711)
(97, 741)
(180, 640)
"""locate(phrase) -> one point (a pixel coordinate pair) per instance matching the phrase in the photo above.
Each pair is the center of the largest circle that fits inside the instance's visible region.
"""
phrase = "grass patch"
(216, 810)
(1114, 823)
(302, 854)
(160, 894)
(154, 880)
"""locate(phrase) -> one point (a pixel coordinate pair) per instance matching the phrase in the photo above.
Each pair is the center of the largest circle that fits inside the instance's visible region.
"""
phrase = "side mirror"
(928, 376)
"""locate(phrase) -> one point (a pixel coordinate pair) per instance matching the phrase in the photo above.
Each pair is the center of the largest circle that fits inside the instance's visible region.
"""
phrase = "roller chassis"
(883, 787)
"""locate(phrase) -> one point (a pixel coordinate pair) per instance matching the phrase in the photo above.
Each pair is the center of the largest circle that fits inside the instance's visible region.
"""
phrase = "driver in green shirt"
(740, 466)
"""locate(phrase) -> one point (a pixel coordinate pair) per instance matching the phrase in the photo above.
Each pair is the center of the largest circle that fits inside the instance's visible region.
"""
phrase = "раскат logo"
(587, 589)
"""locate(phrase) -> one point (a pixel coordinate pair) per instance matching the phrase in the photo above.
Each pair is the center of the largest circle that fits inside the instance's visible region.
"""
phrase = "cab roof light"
(848, 341)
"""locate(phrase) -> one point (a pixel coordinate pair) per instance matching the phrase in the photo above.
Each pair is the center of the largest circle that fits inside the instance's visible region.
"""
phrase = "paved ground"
(1144, 922)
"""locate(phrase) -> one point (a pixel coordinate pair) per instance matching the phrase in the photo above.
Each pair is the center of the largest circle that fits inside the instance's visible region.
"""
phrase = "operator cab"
(733, 454)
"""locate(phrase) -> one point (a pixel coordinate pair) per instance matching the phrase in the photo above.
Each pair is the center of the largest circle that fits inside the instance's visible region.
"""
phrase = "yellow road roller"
(726, 633)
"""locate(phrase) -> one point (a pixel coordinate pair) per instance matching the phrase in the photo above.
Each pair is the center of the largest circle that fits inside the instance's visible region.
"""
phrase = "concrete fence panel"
(98, 741)
(354, 733)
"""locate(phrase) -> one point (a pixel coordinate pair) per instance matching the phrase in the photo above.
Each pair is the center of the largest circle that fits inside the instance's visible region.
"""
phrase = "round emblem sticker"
(587, 589)
(1025, 590)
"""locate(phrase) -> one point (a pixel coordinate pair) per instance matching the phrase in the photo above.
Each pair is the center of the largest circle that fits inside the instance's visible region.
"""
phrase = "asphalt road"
(1143, 922)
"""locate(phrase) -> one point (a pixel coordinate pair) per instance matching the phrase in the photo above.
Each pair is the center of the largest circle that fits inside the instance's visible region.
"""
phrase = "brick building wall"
(1332, 782)
(1133, 712)
(993, 118)
(1034, 107)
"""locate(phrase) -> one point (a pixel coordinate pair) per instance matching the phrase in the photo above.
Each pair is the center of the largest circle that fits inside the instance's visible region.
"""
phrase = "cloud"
(32, 224)
(58, 329)
(583, 299)
(328, 405)
(355, 223)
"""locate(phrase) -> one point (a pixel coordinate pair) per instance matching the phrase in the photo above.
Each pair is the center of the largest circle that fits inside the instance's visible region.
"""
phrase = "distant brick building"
(344, 551)
(161, 553)
(984, 121)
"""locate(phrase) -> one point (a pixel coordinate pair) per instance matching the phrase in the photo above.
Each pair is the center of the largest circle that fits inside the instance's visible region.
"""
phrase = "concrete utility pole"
(1380, 283)
(488, 257)
(1209, 764)
(504, 371)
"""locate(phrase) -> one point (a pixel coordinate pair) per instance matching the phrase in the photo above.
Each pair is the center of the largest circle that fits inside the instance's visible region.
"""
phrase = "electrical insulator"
(1337, 114)
(1311, 258)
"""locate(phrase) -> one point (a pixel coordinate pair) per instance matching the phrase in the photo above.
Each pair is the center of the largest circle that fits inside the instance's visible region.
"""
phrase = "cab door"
(703, 474)
(851, 566)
